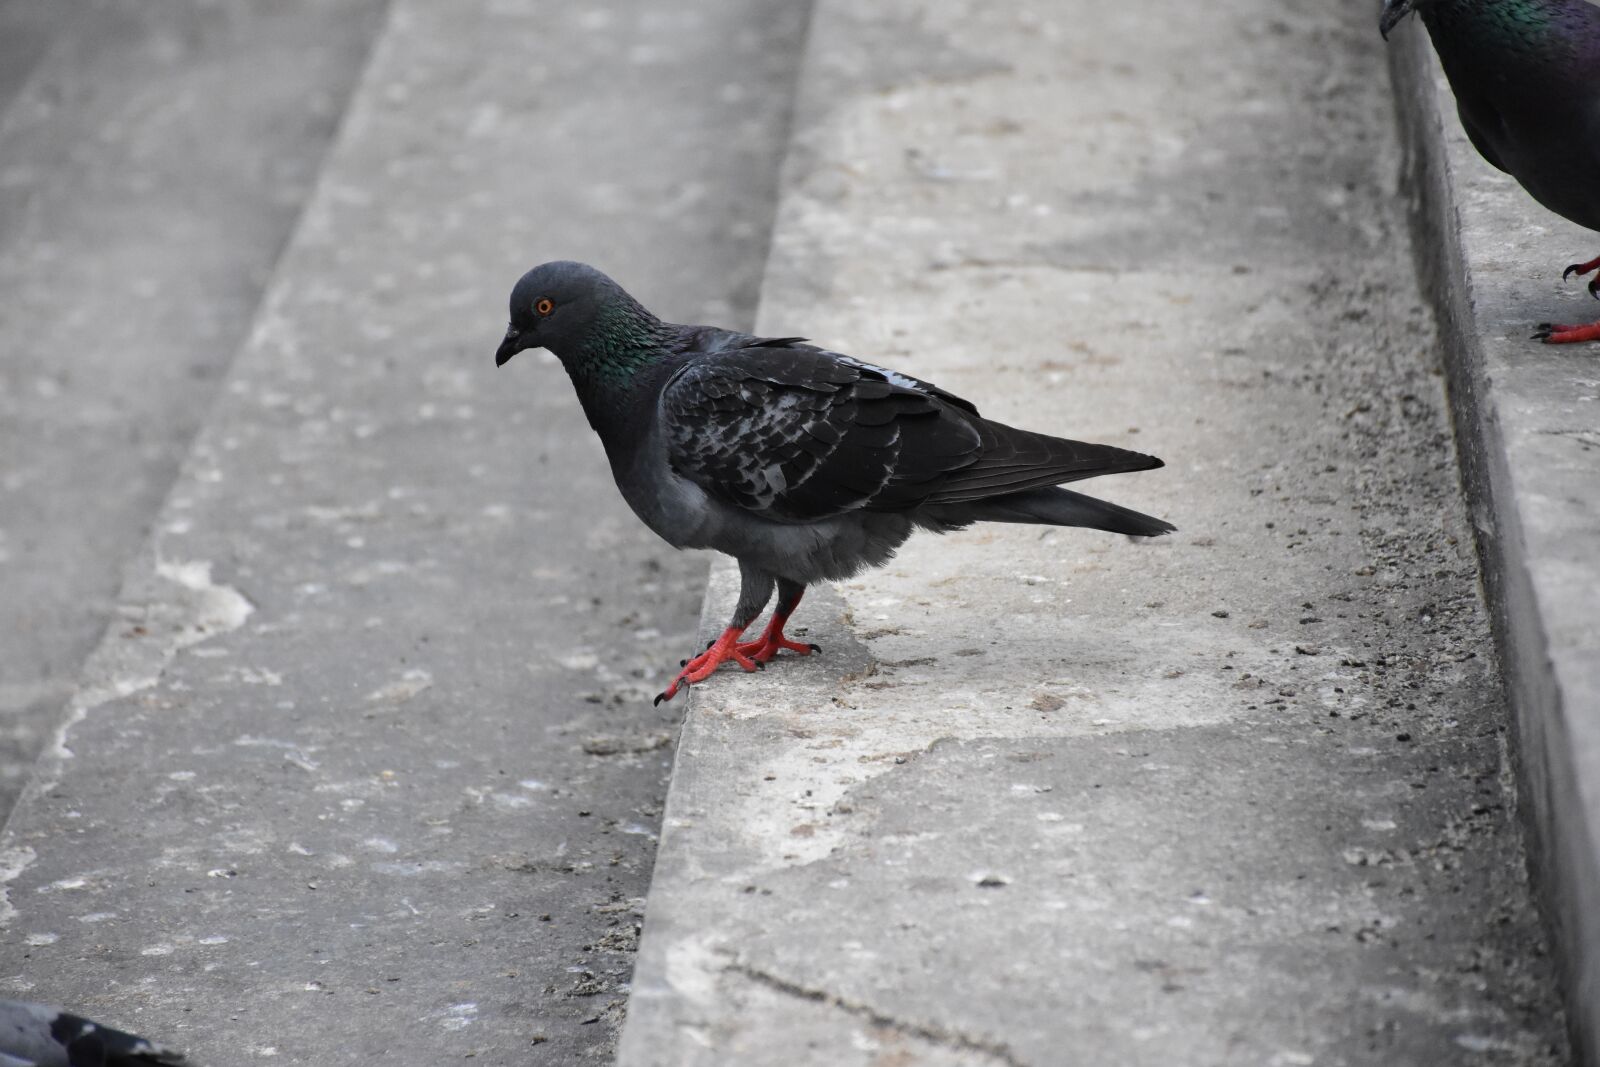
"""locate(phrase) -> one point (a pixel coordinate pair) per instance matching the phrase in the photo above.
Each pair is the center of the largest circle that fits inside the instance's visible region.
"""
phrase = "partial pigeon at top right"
(1526, 76)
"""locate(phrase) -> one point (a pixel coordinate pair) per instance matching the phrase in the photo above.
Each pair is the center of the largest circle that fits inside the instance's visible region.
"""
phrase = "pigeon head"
(577, 313)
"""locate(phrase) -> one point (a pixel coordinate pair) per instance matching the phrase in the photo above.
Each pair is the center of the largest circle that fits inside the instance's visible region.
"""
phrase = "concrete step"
(1528, 423)
(1235, 796)
(28, 30)
(366, 771)
(152, 164)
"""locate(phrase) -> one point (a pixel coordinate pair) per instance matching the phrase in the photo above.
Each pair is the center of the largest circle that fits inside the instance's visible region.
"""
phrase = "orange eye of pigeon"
(544, 306)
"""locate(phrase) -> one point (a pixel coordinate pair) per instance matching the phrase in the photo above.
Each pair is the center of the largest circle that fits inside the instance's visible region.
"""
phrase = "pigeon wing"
(89, 1044)
(798, 434)
(43, 1036)
(1479, 120)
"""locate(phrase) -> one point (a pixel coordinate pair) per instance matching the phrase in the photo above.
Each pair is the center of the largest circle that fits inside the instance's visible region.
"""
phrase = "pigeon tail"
(87, 1042)
(1063, 507)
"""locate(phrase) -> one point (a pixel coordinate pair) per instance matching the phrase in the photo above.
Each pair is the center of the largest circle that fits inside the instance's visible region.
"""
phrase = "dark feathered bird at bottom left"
(37, 1035)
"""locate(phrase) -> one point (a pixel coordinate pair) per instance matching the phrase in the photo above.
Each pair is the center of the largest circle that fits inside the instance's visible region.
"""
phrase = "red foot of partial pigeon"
(1555, 333)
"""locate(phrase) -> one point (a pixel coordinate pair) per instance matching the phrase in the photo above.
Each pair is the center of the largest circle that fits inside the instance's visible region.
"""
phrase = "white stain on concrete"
(217, 608)
(200, 610)
(62, 884)
(459, 1016)
(418, 867)
(407, 686)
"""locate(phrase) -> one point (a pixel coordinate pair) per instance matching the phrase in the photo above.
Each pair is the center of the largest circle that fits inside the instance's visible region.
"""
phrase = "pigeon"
(804, 465)
(36, 1035)
(1526, 77)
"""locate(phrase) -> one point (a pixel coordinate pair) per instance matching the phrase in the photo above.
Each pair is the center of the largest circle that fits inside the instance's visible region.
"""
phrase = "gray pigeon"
(34, 1035)
(804, 465)
(1526, 77)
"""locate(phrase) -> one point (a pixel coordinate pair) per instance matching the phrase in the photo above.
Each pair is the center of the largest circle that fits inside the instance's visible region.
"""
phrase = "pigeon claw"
(701, 667)
(1585, 268)
(669, 692)
(1581, 268)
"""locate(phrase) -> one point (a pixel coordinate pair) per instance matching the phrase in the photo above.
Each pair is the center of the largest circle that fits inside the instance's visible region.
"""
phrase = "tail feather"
(1063, 507)
(90, 1043)
(1013, 461)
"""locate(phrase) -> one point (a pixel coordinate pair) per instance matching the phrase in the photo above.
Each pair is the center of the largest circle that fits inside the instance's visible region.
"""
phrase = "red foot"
(772, 641)
(701, 667)
(1554, 333)
(1581, 269)
(769, 645)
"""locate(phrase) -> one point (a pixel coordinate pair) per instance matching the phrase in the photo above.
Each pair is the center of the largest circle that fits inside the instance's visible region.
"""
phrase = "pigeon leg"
(1555, 333)
(755, 588)
(1581, 269)
(772, 641)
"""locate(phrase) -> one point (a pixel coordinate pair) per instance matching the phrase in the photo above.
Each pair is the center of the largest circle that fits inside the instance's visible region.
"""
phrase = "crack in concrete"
(932, 1033)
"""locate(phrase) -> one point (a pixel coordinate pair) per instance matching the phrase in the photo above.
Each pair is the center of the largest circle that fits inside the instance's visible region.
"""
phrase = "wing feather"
(798, 434)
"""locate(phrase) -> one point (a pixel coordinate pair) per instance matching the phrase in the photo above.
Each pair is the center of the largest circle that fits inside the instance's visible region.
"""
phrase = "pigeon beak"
(509, 347)
(1393, 12)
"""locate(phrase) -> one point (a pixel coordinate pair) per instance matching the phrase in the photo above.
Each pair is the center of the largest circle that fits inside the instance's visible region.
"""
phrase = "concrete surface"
(1239, 796)
(1530, 430)
(28, 30)
(153, 159)
(366, 769)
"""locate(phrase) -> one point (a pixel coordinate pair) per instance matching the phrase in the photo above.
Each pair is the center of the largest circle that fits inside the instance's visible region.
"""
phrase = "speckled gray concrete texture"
(1237, 796)
(1529, 420)
(153, 160)
(28, 31)
(366, 769)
